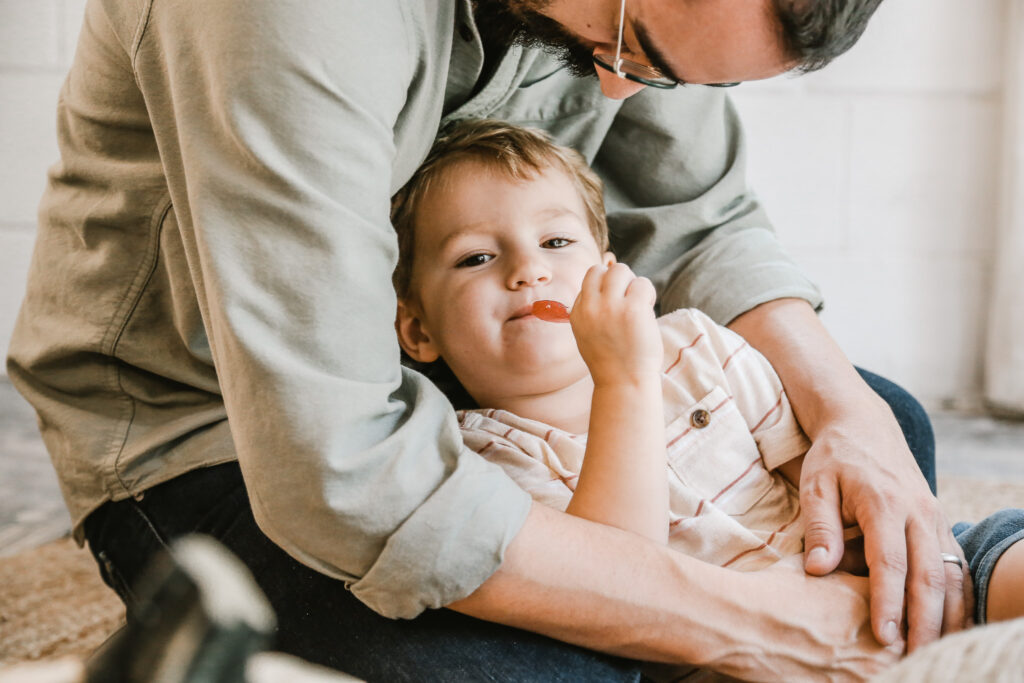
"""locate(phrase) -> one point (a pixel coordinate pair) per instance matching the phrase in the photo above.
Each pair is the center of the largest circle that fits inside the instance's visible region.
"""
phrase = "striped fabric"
(728, 424)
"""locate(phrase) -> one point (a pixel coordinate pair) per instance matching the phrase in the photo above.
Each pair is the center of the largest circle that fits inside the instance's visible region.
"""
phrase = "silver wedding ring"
(950, 557)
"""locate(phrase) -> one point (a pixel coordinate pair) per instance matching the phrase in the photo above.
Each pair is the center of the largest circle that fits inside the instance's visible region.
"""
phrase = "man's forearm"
(820, 381)
(613, 591)
(602, 588)
(860, 470)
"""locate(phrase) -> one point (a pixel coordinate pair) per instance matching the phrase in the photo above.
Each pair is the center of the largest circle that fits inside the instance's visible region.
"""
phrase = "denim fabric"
(983, 544)
(318, 618)
(913, 420)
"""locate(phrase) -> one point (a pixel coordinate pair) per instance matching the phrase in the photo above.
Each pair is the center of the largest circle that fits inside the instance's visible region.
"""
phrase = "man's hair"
(521, 153)
(814, 32)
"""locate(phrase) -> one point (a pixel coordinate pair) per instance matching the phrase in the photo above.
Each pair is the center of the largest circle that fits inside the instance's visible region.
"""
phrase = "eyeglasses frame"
(616, 66)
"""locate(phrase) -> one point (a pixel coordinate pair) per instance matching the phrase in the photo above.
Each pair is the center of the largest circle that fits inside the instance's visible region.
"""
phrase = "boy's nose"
(528, 273)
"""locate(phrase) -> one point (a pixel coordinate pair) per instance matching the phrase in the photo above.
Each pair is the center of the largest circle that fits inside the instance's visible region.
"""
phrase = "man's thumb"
(823, 535)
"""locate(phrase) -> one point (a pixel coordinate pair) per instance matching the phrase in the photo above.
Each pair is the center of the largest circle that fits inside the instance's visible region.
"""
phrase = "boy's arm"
(622, 482)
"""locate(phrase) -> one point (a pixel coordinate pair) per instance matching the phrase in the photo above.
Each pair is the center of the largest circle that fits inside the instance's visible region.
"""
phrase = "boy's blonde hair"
(519, 152)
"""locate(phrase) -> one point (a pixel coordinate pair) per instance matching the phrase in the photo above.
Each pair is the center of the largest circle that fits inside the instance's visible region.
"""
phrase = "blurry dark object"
(200, 617)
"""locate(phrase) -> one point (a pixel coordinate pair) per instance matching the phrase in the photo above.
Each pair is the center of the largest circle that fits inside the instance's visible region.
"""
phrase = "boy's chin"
(549, 372)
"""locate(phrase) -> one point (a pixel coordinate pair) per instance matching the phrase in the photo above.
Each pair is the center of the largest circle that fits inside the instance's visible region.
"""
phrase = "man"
(212, 283)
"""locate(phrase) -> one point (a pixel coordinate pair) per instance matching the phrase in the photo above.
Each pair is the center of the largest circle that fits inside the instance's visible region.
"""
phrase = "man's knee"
(913, 420)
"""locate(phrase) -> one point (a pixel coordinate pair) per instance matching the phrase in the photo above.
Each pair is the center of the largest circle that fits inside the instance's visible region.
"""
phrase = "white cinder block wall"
(37, 42)
(880, 173)
(881, 176)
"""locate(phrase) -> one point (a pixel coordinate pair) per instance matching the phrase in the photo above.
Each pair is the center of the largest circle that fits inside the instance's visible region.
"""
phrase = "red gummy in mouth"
(551, 311)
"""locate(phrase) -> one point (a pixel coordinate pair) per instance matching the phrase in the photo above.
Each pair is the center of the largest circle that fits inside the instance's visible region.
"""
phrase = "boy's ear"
(609, 259)
(412, 335)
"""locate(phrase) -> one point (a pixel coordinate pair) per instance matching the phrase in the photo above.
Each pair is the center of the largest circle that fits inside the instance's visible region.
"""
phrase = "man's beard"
(517, 22)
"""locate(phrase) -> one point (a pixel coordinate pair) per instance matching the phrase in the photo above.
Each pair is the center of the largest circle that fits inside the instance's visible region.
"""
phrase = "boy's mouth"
(522, 312)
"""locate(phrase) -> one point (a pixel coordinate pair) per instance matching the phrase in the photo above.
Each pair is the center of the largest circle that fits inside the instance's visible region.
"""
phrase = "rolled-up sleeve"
(680, 210)
(275, 123)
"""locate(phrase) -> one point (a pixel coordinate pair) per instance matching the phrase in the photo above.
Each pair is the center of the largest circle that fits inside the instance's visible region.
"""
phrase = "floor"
(986, 452)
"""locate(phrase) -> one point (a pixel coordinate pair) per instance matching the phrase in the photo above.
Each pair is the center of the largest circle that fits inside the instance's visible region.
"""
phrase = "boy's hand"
(615, 327)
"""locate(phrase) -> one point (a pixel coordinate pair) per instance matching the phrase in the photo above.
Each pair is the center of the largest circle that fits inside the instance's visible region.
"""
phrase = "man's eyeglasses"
(640, 73)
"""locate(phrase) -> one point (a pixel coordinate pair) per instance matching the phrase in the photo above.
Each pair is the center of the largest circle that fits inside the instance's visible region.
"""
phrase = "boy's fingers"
(591, 285)
(642, 290)
(617, 279)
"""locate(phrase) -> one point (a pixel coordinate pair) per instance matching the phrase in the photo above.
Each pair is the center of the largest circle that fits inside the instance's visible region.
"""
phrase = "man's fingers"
(823, 537)
(954, 611)
(958, 611)
(926, 586)
(885, 552)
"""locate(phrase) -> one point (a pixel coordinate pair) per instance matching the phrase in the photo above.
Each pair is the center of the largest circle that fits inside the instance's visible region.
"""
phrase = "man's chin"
(506, 22)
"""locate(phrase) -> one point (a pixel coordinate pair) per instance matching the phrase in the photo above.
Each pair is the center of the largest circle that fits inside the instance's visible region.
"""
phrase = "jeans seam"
(149, 523)
(985, 567)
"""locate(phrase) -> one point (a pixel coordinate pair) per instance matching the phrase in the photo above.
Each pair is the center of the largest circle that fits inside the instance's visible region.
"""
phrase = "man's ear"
(413, 335)
(609, 259)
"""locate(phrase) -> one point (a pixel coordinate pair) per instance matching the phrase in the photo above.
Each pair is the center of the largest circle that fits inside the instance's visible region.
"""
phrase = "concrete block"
(28, 145)
(28, 33)
(924, 174)
(916, 319)
(924, 46)
(797, 164)
(72, 12)
(15, 255)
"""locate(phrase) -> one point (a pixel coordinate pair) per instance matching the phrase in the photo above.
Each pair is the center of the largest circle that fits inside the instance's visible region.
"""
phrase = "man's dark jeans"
(319, 620)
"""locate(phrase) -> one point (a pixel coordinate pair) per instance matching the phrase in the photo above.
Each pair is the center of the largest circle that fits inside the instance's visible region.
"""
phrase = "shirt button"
(466, 32)
(700, 418)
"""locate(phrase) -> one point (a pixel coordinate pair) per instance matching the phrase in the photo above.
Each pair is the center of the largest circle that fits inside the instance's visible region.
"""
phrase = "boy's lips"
(522, 312)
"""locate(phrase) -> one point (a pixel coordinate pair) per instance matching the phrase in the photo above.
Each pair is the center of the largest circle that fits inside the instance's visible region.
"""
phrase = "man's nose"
(617, 88)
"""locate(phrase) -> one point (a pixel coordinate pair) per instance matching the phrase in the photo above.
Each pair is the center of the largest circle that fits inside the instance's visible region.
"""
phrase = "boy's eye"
(474, 260)
(556, 243)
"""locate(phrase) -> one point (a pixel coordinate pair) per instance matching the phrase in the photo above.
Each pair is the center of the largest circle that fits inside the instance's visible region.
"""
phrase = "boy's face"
(487, 247)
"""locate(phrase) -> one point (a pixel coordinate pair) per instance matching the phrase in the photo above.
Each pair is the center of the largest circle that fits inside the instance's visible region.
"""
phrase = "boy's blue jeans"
(320, 621)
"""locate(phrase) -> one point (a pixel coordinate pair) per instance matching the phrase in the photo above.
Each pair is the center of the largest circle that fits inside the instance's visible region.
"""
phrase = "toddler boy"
(588, 417)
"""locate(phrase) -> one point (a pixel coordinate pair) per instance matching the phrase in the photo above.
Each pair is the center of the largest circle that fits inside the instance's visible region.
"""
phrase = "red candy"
(551, 311)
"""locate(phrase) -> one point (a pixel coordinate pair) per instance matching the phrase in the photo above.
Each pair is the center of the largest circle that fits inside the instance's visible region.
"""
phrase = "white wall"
(37, 40)
(880, 173)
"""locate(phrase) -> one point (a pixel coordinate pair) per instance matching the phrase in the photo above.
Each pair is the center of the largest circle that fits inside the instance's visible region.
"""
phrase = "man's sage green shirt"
(211, 279)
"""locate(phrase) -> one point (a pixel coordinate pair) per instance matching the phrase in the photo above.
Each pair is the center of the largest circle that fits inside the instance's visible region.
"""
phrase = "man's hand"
(860, 470)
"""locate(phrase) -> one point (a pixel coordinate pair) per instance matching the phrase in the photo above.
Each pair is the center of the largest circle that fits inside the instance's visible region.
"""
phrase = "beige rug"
(52, 601)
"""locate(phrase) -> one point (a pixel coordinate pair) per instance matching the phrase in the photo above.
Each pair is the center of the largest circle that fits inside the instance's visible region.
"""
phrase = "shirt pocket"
(712, 452)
